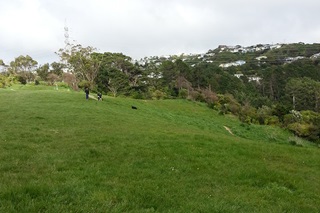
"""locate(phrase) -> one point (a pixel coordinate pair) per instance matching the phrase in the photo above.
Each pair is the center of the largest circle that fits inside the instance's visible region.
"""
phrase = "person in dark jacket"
(86, 90)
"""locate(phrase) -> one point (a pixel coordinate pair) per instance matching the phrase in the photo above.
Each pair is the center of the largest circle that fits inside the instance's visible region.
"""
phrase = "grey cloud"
(147, 27)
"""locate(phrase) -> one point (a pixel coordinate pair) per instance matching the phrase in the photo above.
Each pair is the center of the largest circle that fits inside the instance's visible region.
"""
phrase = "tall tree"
(304, 94)
(24, 66)
(117, 73)
(273, 82)
(81, 62)
(169, 73)
(43, 71)
(183, 69)
(57, 68)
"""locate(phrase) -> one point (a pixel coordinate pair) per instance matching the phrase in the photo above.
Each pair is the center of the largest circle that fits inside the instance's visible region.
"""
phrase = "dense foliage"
(265, 84)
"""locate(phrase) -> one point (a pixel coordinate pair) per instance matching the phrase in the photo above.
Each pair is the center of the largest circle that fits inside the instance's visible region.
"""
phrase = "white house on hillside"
(254, 78)
(236, 63)
(250, 78)
(238, 75)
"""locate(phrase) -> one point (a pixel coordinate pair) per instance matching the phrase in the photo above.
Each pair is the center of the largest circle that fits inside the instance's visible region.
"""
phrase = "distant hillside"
(264, 79)
(267, 84)
(226, 56)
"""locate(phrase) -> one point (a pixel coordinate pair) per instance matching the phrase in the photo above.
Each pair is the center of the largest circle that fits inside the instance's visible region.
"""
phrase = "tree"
(183, 69)
(169, 73)
(117, 81)
(151, 76)
(71, 80)
(303, 93)
(122, 63)
(52, 78)
(23, 66)
(169, 76)
(117, 73)
(273, 82)
(43, 71)
(81, 62)
(57, 68)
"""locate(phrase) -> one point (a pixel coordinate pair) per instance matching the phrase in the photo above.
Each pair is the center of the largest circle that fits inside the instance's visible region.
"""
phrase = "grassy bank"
(61, 153)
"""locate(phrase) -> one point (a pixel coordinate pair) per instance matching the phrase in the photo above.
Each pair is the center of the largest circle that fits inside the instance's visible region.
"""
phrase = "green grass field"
(61, 153)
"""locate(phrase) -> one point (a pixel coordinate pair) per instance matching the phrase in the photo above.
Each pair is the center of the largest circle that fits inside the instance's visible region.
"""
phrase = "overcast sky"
(140, 28)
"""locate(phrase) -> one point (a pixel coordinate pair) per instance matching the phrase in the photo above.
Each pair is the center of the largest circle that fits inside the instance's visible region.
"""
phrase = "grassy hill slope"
(61, 153)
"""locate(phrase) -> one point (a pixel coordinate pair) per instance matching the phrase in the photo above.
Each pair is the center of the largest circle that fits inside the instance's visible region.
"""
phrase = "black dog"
(133, 107)
(99, 96)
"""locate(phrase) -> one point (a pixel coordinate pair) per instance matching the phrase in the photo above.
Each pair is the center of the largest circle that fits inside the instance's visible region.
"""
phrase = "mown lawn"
(61, 153)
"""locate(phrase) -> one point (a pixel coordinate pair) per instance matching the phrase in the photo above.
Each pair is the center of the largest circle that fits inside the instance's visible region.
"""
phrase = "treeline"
(284, 94)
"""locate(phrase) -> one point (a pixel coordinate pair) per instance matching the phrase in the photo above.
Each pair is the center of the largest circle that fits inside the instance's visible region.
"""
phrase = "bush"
(210, 97)
(263, 113)
(158, 95)
(246, 113)
(71, 80)
(137, 95)
(183, 93)
(272, 120)
(288, 119)
(310, 117)
(3, 81)
(63, 85)
(22, 80)
(82, 84)
(228, 103)
(308, 131)
(200, 97)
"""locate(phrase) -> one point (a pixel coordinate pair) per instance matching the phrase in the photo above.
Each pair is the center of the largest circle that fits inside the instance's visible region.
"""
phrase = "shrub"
(137, 95)
(158, 95)
(263, 113)
(296, 115)
(272, 120)
(82, 84)
(229, 104)
(246, 113)
(22, 79)
(200, 97)
(310, 117)
(195, 96)
(288, 119)
(52, 78)
(63, 85)
(183, 93)
(210, 97)
(71, 80)
(3, 81)
(305, 130)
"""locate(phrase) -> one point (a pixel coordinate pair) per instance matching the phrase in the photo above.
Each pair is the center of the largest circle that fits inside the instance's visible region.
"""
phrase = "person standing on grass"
(86, 90)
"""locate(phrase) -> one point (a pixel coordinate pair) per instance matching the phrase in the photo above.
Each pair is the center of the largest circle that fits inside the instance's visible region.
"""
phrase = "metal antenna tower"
(66, 34)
